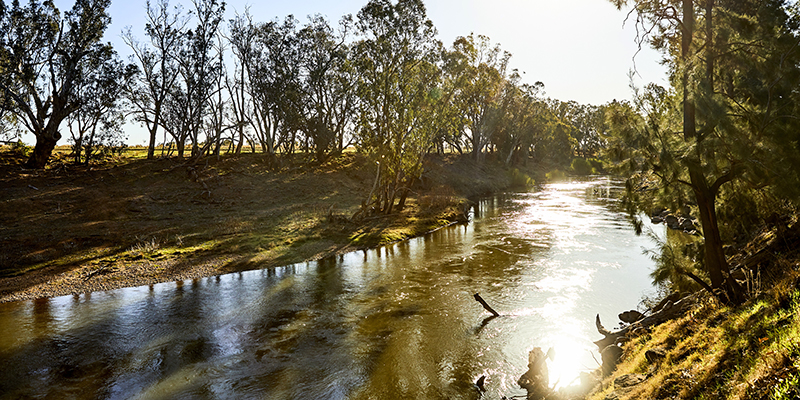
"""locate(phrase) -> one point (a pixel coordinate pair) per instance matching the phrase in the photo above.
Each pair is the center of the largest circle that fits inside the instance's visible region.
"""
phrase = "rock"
(655, 355)
(631, 316)
(672, 222)
(610, 356)
(629, 380)
(687, 225)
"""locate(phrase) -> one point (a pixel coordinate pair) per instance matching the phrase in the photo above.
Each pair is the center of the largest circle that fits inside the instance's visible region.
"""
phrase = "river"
(391, 323)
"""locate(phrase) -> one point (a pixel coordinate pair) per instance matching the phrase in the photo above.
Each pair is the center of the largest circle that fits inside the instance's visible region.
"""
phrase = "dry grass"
(718, 352)
(228, 214)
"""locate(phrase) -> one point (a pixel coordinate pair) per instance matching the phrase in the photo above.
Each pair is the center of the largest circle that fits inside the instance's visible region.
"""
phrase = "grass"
(235, 213)
(718, 352)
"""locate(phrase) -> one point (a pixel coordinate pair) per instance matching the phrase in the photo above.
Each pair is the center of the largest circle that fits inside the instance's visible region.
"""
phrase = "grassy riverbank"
(715, 351)
(75, 229)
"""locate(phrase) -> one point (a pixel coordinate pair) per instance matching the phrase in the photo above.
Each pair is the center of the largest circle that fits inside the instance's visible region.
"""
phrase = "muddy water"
(392, 323)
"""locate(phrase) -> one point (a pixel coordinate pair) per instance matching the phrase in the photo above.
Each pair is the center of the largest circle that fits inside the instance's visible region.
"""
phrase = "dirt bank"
(75, 229)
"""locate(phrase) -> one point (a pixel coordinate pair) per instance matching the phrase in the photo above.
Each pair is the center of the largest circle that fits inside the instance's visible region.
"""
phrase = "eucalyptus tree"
(523, 123)
(481, 88)
(41, 54)
(220, 117)
(451, 121)
(187, 104)
(589, 123)
(396, 59)
(328, 84)
(157, 63)
(733, 67)
(99, 90)
(241, 36)
(272, 80)
(200, 66)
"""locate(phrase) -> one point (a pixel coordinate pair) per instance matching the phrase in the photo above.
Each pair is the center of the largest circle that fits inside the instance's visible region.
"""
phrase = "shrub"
(519, 179)
(555, 175)
(581, 166)
(438, 198)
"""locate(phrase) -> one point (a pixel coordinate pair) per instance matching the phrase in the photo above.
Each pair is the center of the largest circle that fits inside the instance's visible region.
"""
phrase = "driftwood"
(485, 305)
(667, 312)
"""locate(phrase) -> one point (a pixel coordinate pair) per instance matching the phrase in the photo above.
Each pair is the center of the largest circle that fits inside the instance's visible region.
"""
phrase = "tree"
(158, 66)
(41, 54)
(241, 37)
(396, 63)
(521, 123)
(199, 67)
(269, 53)
(481, 88)
(328, 97)
(99, 92)
(721, 116)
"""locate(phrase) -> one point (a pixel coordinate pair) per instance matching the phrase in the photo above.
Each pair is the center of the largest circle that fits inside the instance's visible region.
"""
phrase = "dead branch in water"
(485, 305)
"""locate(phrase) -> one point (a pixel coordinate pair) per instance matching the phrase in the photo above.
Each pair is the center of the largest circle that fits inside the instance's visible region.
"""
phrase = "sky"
(582, 50)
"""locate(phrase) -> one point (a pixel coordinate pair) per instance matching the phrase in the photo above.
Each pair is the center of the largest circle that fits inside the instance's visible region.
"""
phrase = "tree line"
(719, 141)
(379, 81)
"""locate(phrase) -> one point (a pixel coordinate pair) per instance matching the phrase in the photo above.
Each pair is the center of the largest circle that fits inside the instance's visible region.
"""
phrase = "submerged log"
(485, 305)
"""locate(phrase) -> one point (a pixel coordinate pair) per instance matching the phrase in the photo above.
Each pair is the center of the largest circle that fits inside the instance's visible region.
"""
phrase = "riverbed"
(390, 323)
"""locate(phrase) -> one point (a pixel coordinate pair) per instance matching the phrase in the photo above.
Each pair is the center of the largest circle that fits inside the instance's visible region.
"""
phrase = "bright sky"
(578, 48)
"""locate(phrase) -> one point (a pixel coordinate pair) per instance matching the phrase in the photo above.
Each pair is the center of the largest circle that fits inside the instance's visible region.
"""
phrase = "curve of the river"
(391, 323)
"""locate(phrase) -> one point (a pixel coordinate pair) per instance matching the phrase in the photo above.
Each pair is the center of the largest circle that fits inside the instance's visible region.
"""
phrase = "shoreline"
(74, 230)
(86, 279)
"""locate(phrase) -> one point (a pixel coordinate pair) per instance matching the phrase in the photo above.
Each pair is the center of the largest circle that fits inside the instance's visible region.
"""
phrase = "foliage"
(581, 166)
(520, 179)
(99, 120)
(721, 122)
(157, 69)
(395, 60)
(41, 55)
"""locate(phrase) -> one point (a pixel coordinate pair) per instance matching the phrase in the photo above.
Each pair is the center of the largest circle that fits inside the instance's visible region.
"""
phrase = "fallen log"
(667, 312)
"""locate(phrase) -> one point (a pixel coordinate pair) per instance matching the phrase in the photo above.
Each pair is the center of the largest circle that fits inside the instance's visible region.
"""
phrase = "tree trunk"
(151, 148)
(714, 257)
(715, 262)
(241, 141)
(180, 145)
(45, 143)
(78, 149)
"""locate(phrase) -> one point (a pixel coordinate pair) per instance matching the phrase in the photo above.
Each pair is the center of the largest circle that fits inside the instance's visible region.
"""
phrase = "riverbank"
(77, 229)
(715, 351)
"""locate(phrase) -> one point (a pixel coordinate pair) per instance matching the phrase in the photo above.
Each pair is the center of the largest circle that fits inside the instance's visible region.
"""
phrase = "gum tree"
(41, 54)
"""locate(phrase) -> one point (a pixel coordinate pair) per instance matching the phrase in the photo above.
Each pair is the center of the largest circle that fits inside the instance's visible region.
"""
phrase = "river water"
(392, 323)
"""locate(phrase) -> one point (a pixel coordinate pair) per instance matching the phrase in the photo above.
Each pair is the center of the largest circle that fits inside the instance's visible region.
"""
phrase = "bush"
(597, 166)
(519, 179)
(581, 166)
(21, 148)
(556, 175)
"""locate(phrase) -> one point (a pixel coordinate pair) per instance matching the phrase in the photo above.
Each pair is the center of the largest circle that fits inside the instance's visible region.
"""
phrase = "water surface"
(392, 323)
